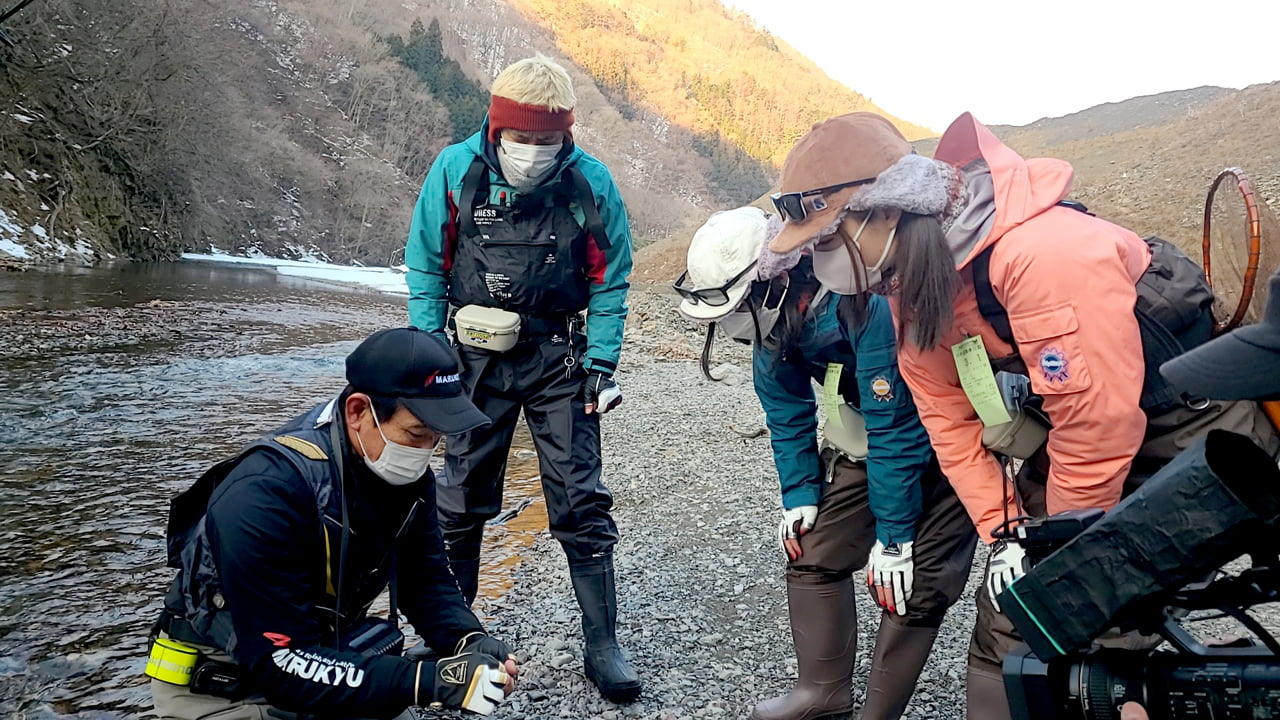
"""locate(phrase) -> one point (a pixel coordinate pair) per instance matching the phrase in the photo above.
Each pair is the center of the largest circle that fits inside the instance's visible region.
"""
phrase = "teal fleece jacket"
(433, 236)
(899, 450)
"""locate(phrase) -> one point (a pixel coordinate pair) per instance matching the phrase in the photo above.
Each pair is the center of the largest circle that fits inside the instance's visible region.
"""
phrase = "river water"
(118, 387)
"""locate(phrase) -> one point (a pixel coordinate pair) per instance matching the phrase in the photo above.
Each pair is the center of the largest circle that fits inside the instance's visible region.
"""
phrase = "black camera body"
(1138, 570)
(1225, 684)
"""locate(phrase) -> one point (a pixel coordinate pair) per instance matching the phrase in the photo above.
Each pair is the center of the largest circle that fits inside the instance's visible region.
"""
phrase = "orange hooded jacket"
(1067, 281)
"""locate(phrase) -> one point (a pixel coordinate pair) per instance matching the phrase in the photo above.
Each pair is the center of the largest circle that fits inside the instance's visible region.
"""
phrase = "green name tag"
(831, 398)
(979, 382)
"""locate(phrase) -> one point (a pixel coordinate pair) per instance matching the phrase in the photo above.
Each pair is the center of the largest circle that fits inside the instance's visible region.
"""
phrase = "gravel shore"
(700, 576)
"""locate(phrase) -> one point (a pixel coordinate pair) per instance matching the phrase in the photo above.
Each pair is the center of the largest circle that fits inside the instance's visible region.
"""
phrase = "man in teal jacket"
(518, 221)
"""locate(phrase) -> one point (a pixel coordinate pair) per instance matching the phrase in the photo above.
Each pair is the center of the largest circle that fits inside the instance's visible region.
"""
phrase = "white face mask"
(398, 464)
(526, 166)
(742, 324)
(841, 268)
(739, 324)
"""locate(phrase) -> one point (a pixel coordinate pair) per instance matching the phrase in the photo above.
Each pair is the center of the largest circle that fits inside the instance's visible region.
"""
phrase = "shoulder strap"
(1158, 346)
(990, 308)
(475, 182)
(587, 200)
(335, 435)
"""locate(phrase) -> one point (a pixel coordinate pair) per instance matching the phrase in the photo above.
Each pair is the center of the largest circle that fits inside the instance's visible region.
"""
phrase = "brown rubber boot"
(824, 628)
(901, 651)
(984, 695)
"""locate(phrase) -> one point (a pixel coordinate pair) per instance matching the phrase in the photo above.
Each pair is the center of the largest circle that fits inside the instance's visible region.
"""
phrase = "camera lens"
(1098, 685)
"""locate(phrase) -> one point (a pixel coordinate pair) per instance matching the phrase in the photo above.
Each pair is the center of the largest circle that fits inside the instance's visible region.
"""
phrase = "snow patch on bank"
(10, 231)
(13, 248)
(35, 243)
(382, 279)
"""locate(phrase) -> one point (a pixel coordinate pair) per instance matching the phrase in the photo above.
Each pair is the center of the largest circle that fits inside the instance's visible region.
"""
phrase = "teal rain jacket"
(899, 446)
(434, 231)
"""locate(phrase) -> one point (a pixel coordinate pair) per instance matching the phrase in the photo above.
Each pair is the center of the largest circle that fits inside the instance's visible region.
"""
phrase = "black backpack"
(1174, 311)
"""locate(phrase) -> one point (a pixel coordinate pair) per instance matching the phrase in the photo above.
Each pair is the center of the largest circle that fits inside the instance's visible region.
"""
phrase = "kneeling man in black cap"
(281, 550)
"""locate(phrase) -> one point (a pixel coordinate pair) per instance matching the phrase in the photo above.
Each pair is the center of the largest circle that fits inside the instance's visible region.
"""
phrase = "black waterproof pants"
(535, 377)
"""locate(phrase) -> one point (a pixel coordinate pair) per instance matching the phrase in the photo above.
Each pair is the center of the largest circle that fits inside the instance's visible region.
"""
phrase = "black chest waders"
(533, 257)
(525, 254)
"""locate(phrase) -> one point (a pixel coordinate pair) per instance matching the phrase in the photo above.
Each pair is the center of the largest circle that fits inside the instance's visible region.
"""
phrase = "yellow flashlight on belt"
(171, 661)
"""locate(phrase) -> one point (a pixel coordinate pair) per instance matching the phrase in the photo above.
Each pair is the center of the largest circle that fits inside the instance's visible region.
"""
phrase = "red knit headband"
(507, 113)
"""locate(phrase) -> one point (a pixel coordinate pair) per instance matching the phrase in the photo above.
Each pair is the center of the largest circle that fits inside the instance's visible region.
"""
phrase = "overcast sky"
(1015, 61)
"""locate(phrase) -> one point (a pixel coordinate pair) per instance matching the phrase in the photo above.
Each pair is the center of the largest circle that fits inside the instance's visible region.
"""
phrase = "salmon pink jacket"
(1067, 281)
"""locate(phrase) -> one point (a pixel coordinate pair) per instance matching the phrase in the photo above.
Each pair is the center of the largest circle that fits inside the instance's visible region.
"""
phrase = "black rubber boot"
(604, 662)
(463, 549)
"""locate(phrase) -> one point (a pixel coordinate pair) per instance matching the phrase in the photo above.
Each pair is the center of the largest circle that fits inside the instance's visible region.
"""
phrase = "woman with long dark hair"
(870, 495)
(990, 268)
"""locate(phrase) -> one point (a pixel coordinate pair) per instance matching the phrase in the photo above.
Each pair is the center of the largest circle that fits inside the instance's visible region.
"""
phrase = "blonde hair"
(538, 80)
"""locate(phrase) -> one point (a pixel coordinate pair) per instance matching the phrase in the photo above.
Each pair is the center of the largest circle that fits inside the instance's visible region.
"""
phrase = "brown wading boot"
(824, 628)
(605, 665)
(901, 652)
(984, 695)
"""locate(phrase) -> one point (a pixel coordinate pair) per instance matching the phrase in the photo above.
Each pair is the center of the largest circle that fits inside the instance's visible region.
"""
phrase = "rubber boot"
(463, 548)
(824, 628)
(984, 695)
(593, 585)
(900, 654)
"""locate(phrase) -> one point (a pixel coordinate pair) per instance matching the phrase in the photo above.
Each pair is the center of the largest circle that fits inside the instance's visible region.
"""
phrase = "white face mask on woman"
(526, 166)
(841, 268)
(398, 464)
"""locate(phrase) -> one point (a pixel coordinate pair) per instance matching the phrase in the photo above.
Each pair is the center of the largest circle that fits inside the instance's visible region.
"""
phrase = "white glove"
(891, 568)
(796, 522)
(1008, 563)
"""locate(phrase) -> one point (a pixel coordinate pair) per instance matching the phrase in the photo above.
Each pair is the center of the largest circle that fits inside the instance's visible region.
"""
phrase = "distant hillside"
(1110, 118)
(303, 128)
(702, 66)
(1153, 177)
(1145, 163)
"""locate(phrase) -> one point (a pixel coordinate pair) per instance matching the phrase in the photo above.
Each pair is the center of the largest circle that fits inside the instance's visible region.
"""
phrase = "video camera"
(1143, 567)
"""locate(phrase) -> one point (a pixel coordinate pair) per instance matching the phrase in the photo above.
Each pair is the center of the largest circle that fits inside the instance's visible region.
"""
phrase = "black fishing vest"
(528, 254)
(308, 446)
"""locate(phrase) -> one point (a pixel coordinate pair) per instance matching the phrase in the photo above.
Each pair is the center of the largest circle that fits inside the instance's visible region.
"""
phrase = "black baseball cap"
(1244, 364)
(420, 370)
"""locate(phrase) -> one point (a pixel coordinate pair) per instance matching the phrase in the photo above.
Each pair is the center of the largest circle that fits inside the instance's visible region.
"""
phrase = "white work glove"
(795, 522)
(473, 681)
(1008, 563)
(889, 572)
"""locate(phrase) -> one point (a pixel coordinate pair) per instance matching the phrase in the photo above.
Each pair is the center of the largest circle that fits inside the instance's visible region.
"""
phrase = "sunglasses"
(715, 297)
(791, 206)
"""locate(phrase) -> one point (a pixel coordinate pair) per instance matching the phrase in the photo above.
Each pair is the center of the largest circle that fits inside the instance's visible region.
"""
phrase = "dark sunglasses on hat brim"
(716, 296)
(791, 206)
